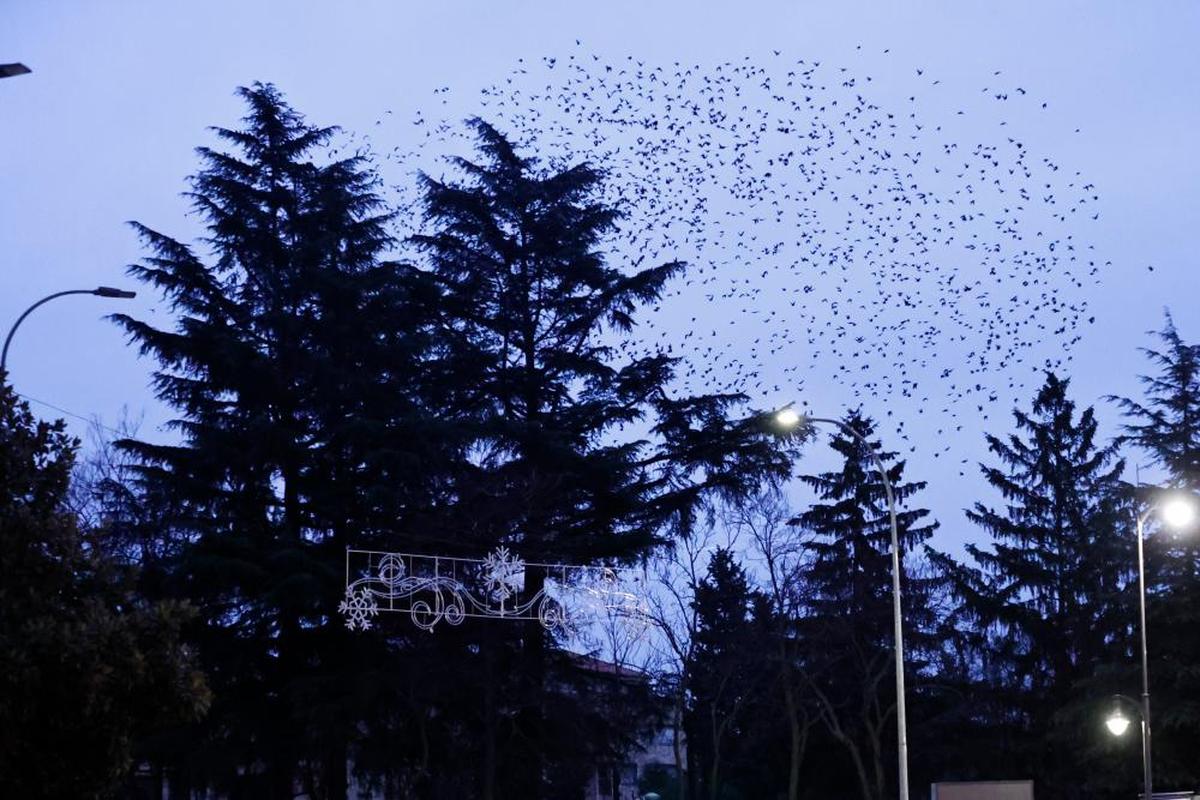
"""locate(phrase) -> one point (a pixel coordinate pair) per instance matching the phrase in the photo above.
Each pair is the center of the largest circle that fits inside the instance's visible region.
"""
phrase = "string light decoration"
(433, 590)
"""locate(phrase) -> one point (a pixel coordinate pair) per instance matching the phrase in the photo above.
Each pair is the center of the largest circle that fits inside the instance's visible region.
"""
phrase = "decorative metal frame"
(436, 589)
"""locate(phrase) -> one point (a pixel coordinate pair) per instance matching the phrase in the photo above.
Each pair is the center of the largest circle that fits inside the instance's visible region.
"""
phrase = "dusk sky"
(103, 131)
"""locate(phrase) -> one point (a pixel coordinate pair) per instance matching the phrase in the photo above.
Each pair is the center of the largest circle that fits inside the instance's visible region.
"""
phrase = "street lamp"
(1177, 510)
(13, 70)
(99, 291)
(790, 419)
(1116, 721)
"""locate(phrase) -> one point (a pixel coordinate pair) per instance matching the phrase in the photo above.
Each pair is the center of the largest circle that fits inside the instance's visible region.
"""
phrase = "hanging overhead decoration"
(443, 589)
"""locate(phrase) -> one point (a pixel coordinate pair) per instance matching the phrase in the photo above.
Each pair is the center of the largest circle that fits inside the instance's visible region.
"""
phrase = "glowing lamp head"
(1117, 723)
(787, 418)
(1178, 512)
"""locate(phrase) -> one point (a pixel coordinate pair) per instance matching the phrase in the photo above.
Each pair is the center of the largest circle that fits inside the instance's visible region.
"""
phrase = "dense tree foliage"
(533, 314)
(87, 665)
(473, 386)
(1044, 605)
(725, 676)
(291, 368)
(847, 623)
(329, 397)
(1165, 424)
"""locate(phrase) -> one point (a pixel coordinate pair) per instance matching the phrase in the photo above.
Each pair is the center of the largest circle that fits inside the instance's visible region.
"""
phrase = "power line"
(90, 421)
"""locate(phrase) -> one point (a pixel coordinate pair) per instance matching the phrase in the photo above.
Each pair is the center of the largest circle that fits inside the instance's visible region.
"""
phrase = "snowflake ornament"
(503, 574)
(358, 607)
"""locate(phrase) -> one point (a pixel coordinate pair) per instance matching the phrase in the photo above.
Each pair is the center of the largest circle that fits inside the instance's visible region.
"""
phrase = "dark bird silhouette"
(834, 232)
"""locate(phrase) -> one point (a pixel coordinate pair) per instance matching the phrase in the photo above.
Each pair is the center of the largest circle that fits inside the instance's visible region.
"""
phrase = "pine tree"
(535, 317)
(847, 627)
(1045, 602)
(726, 676)
(87, 666)
(292, 368)
(1165, 423)
(784, 712)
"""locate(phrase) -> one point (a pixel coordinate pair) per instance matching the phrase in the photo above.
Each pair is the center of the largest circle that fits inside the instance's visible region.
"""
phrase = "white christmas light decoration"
(436, 589)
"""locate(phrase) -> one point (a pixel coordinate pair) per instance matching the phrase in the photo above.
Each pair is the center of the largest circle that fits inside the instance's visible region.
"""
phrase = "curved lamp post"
(789, 419)
(1177, 510)
(99, 291)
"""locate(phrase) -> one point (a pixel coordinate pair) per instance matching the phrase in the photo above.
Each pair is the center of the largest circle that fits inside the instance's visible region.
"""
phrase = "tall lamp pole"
(1177, 512)
(1146, 772)
(99, 291)
(789, 418)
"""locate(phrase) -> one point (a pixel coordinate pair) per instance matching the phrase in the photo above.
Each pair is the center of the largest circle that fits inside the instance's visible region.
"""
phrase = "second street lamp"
(790, 419)
(99, 291)
(1116, 721)
(1177, 510)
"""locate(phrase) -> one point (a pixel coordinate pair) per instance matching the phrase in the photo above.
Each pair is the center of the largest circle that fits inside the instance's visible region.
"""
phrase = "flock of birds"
(835, 235)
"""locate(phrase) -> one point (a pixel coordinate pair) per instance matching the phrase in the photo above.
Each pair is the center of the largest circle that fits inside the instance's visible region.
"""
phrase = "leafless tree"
(671, 612)
(103, 490)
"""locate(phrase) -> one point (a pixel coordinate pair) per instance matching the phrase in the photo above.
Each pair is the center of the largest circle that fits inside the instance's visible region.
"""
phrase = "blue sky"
(103, 131)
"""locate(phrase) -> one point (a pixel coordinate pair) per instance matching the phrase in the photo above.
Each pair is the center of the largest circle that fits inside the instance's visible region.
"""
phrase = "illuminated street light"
(1117, 722)
(1177, 511)
(789, 419)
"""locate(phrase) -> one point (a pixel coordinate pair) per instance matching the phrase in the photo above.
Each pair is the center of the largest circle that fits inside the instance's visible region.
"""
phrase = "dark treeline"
(1013, 654)
(173, 605)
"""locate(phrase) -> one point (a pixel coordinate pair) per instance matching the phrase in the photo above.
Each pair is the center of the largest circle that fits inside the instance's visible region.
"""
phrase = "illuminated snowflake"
(503, 574)
(358, 607)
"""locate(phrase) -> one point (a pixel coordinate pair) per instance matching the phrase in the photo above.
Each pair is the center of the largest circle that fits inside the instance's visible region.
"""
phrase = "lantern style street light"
(1177, 510)
(1116, 721)
(790, 419)
(99, 291)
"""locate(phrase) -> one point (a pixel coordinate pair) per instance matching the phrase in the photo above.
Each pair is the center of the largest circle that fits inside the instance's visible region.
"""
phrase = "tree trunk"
(490, 721)
(287, 761)
(877, 764)
(798, 739)
(535, 670)
(693, 757)
(336, 778)
(714, 773)
(681, 767)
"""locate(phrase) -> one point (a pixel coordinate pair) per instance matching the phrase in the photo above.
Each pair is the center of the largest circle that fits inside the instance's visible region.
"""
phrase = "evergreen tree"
(292, 367)
(1165, 423)
(1044, 605)
(784, 713)
(847, 627)
(87, 666)
(726, 675)
(534, 319)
